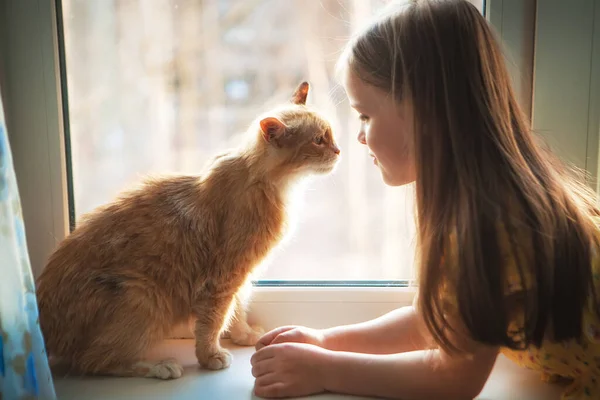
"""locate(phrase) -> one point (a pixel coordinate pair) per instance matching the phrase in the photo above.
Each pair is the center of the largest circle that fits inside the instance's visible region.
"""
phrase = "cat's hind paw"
(165, 369)
(247, 336)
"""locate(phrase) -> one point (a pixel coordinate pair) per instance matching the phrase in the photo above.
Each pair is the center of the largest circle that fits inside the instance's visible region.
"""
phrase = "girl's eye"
(319, 140)
(363, 118)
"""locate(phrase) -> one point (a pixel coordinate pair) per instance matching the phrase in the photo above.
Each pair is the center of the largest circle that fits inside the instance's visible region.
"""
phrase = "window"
(161, 86)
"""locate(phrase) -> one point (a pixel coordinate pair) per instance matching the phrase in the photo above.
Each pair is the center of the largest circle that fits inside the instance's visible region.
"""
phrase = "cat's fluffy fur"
(176, 249)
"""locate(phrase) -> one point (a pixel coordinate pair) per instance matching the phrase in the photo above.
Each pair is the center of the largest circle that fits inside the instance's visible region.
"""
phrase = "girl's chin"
(395, 179)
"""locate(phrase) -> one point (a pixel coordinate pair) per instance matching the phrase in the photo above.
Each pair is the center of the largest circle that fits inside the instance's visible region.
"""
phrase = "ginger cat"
(179, 249)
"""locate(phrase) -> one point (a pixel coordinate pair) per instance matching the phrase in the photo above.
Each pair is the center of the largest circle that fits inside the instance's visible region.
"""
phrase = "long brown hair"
(481, 177)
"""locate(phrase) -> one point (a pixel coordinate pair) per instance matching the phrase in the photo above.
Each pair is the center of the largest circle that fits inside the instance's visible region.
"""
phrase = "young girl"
(507, 240)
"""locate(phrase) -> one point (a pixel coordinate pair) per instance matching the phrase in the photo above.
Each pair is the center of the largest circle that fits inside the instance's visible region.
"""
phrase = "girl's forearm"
(396, 332)
(415, 375)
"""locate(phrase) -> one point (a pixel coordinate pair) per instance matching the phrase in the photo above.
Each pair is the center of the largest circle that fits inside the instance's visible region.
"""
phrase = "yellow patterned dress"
(576, 360)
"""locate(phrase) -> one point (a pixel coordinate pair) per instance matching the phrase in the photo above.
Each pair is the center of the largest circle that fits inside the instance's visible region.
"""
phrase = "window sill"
(235, 383)
(323, 307)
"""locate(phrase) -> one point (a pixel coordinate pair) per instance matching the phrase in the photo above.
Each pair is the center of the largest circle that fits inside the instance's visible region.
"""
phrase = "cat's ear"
(300, 94)
(272, 129)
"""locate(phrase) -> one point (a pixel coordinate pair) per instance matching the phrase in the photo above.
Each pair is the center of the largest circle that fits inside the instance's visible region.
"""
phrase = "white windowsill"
(323, 307)
(235, 383)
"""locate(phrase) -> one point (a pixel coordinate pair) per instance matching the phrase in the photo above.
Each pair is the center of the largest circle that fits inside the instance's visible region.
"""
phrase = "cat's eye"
(319, 140)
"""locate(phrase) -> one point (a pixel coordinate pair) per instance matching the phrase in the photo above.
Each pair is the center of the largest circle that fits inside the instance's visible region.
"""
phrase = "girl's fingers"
(274, 390)
(283, 338)
(262, 368)
(262, 354)
(268, 337)
(267, 379)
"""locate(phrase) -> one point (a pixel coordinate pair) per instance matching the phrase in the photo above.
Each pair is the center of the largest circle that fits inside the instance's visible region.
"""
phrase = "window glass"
(159, 86)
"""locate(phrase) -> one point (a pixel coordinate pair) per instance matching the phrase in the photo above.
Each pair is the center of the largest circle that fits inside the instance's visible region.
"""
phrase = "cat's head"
(298, 137)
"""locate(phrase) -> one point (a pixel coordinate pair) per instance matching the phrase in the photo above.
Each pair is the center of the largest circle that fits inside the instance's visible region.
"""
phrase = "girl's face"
(386, 129)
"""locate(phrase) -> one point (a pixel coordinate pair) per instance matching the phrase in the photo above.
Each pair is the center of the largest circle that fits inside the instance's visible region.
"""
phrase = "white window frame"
(30, 77)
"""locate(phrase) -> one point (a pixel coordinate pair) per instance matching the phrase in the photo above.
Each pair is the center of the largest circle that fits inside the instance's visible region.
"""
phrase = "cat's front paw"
(246, 335)
(166, 369)
(219, 360)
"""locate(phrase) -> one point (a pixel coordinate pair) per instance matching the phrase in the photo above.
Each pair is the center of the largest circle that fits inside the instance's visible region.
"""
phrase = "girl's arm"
(395, 332)
(422, 374)
(425, 374)
(293, 370)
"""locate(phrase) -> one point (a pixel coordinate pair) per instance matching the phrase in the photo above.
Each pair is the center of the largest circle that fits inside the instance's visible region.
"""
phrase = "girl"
(507, 240)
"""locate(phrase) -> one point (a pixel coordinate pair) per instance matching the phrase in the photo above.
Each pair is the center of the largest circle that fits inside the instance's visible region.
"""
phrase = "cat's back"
(132, 227)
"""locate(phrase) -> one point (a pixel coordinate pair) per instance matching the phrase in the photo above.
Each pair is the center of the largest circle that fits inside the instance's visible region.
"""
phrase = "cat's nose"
(335, 149)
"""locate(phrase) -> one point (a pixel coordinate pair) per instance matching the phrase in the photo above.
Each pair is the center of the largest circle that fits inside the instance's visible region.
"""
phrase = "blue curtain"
(24, 372)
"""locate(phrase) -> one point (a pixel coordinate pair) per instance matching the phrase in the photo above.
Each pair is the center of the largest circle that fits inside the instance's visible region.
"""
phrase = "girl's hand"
(296, 334)
(289, 370)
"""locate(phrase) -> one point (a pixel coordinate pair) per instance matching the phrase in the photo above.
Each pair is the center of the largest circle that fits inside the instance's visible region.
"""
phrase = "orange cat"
(179, 248)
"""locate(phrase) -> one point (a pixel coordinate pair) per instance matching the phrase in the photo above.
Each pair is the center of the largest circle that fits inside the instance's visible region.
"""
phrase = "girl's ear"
(300, 94)
(272, 129)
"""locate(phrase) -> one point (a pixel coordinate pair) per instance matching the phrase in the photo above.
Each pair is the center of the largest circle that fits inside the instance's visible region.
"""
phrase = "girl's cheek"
(368, 134)
(374, 140)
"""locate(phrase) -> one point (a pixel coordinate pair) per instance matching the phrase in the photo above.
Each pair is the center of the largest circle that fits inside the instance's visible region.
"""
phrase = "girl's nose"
(361, 137)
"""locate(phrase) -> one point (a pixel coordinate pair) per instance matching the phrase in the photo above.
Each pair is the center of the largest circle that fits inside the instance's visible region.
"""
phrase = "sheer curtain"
(24, 372)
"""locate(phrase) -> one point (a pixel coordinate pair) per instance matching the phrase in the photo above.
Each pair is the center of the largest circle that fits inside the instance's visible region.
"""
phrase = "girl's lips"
(374, 158)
